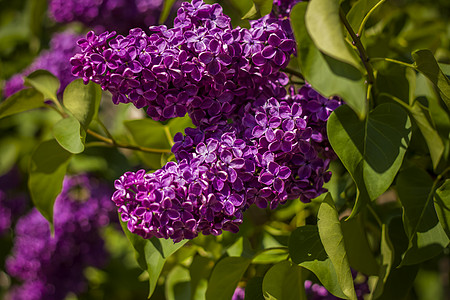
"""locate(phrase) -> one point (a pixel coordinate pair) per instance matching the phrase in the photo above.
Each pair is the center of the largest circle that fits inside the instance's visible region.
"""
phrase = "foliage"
(387, 212)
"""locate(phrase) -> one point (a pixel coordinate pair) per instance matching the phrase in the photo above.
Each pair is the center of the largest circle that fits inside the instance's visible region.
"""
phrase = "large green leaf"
(225, 277)
(330, 233)
(372, 150)
(427, 65)
(325, 74)
(283, 281)
(44, 82)
(21, 101)
(151, 134)
(426, 235)
(358, 250)
(151, 254)
(67, 132)
(326, 30)
(306, 249)
(442, 205)
(82, 100)
(47, 168)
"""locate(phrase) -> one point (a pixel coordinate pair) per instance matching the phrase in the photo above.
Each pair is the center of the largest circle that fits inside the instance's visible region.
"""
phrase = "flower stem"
(392, 61)
(364, 21)
(293, 72)
(111, 142)
(360, 47)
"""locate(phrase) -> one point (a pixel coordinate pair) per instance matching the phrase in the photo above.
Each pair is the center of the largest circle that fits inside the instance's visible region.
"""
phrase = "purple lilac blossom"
(201, 66)
(315, 291)
(122, 15)
(12, 202)
(55, 60)
(50, 267)
(239, 294)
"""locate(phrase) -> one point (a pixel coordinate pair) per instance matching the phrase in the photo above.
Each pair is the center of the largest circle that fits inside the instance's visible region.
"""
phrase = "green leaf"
(330, 233)
(21, 101)
(358, 11)
(167, 7)
(200, 269)
(47, 169)
(180, 124)
(283, 281)
(306, 249)
(325, 74)
(82, 100)
(9, 149)
(399, 283)
(225, 277)
(151, 254)
(387, 259)
(427, 65)
(253, 289)
(357, 247)
(259, 9)
(45, 82)
(178, 284)
(442, 205)
(426, 235)
(326, 30)
(371, 150)
(67, 132)
(151, 134)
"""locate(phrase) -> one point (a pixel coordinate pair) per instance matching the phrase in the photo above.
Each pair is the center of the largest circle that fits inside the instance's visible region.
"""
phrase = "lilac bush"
(39, 259)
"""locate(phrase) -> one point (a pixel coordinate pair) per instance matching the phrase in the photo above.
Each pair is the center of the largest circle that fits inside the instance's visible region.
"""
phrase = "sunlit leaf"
(326, 30)
(259, 9)
(21, 101)
(372, 150)
(426, 235)
(47, 169)
(327, 75)
(44, 82)
(82, 100)
(283, 281)
(225, 277)
(330, 233)
(306, 249)
(67, 133)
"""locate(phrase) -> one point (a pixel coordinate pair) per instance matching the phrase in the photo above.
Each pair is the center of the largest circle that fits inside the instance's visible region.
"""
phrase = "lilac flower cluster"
(12, 202)
(106, 14)
(254, 143)
(315, 291)
(55, 60)
(50, 267)
(239, 294)
(201, 66)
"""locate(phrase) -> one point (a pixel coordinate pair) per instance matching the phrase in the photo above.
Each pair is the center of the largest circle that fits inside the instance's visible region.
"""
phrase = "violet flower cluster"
(315, 291)
(201, 66)
(12, 202)
(254, 143)
(50, 267)
(122, 15)
(55, 60)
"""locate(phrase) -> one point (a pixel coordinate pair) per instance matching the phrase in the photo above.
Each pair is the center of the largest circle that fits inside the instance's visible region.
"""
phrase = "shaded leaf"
(151, 134)
(151, 254)
(253, 289)
(82, 100)
(399, 283)
(178, 284)
(225, 277)
(21, 101)
(325, 74)
(357, 247)
(326, 30)
(426, 236)
(306, 249)
(67, 132)
(427, 65)
(283, 281)
(259, 9)
(371, 150)
(442, 205)
(200, 269)
(47, 169)
(330, 233)
(44, 82)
